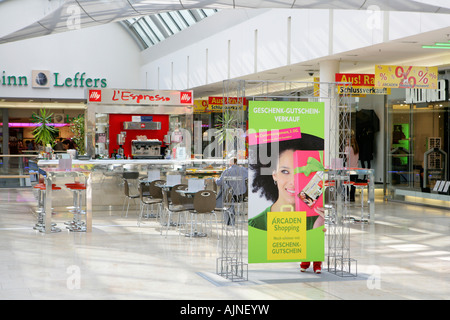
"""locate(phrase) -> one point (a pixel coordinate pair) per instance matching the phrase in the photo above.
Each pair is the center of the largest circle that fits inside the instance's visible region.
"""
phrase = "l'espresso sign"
(141, 97)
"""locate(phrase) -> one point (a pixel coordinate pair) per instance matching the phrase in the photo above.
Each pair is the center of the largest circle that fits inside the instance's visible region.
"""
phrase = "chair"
(177, 204)
(40, 225)
(76, 225)
(204, 203)
(129, 195)
(150, 194)
(179, 199)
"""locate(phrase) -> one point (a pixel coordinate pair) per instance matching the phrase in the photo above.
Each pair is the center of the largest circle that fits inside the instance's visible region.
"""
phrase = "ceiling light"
(435, 47)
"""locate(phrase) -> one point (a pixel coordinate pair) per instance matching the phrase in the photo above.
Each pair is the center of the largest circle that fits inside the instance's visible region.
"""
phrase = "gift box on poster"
(308, 169)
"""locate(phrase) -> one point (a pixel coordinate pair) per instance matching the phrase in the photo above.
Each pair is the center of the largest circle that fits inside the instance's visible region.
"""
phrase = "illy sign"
(141, 97)
(95, 95)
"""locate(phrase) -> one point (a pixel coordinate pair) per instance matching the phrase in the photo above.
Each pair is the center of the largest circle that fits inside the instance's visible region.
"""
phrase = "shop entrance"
(417, 144)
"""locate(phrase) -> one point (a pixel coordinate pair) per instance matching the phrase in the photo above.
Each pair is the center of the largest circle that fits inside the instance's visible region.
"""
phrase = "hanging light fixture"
(438, 45)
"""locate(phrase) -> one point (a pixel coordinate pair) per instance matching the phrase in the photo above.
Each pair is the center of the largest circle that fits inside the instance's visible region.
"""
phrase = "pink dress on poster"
(308, 182)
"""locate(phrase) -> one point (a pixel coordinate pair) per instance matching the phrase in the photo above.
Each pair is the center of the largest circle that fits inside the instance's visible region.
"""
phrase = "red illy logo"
(95, 95)
(185, 97)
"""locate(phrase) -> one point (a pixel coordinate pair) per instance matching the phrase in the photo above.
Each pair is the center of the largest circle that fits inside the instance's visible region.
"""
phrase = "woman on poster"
(279, 187)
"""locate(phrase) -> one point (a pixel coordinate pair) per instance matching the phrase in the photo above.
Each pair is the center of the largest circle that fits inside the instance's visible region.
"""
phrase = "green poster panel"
(286, 143)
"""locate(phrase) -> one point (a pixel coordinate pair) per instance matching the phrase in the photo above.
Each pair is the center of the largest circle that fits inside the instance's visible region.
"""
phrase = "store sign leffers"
(406, 77)
(362, 84)
(141, 97)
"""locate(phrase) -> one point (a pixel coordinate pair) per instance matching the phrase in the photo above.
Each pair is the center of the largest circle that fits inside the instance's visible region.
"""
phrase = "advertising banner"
(362, 84)
(285, 209)
(406, 77)
(215, 104)
(140, 97)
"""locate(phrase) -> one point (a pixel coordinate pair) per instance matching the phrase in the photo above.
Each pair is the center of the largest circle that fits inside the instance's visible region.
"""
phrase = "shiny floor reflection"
(405, 254)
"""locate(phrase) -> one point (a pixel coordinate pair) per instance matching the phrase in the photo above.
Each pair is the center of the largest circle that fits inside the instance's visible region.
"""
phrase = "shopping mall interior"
(75, 58)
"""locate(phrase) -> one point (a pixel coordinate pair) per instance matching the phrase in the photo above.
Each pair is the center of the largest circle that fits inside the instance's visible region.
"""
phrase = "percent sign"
(423, 77)
(400, 73)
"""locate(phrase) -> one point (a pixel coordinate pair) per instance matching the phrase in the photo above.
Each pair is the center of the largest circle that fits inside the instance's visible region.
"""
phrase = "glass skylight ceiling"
(149, 30)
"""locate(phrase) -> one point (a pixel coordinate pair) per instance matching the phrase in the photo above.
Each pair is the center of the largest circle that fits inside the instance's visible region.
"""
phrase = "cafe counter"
(106, 176)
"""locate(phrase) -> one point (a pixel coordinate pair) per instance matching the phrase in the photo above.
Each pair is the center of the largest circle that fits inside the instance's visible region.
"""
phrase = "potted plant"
(44, 133)
(77, 128)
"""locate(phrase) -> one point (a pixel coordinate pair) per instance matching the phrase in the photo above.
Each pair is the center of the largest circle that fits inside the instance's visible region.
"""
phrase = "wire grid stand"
(338, 257)
(232, 263)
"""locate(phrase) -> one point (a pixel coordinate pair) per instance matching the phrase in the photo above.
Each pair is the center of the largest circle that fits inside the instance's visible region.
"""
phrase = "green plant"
(77, 128)
(225, 121)
(44, 133)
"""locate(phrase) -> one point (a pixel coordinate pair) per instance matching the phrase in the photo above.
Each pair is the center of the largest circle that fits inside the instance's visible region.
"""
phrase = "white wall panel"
(272, 40)
(355, 29)
(310, 34)
(101, 52)
(403, 24)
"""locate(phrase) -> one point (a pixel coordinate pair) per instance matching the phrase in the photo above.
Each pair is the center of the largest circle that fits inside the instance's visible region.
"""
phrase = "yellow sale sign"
(406, 77)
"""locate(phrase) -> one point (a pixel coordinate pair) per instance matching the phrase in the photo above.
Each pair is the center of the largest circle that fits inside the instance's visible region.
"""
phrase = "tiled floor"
(404, 255)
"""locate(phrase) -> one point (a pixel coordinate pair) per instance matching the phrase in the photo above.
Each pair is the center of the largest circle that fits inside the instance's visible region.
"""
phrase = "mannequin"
(367, 123)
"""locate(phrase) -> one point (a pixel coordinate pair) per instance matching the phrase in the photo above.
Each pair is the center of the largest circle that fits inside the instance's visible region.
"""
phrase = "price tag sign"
(406, 77)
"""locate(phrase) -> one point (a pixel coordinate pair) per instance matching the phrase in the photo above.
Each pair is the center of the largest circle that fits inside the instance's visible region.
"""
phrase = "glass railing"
(15, 171)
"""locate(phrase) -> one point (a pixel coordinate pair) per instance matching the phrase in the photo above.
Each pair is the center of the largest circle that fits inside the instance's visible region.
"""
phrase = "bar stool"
(76, 225)
(361, 186)
(347, 185)
(40, 225)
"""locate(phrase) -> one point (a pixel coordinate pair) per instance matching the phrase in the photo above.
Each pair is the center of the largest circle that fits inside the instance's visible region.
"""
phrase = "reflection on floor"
(405, 254)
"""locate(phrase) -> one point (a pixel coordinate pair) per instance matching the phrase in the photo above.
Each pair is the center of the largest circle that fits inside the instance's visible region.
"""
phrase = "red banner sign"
(356, 79)
(231, 100)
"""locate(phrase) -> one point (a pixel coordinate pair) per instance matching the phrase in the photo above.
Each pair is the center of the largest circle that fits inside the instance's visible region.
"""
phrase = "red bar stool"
(76, 225)
(40, 225)
(361, 186)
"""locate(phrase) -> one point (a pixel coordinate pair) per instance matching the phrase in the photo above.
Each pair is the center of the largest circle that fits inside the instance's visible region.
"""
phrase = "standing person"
(353, 157)
(317, 265)
(235, 178)
(238, 184)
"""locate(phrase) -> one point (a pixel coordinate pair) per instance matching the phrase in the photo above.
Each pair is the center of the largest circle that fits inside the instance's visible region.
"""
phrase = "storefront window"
(417, 146)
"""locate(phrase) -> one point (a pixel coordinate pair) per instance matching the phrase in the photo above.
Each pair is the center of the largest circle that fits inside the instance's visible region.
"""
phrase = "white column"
(328, 70)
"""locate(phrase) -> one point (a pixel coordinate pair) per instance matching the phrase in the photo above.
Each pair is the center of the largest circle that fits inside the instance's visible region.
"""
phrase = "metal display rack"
(232, 263)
